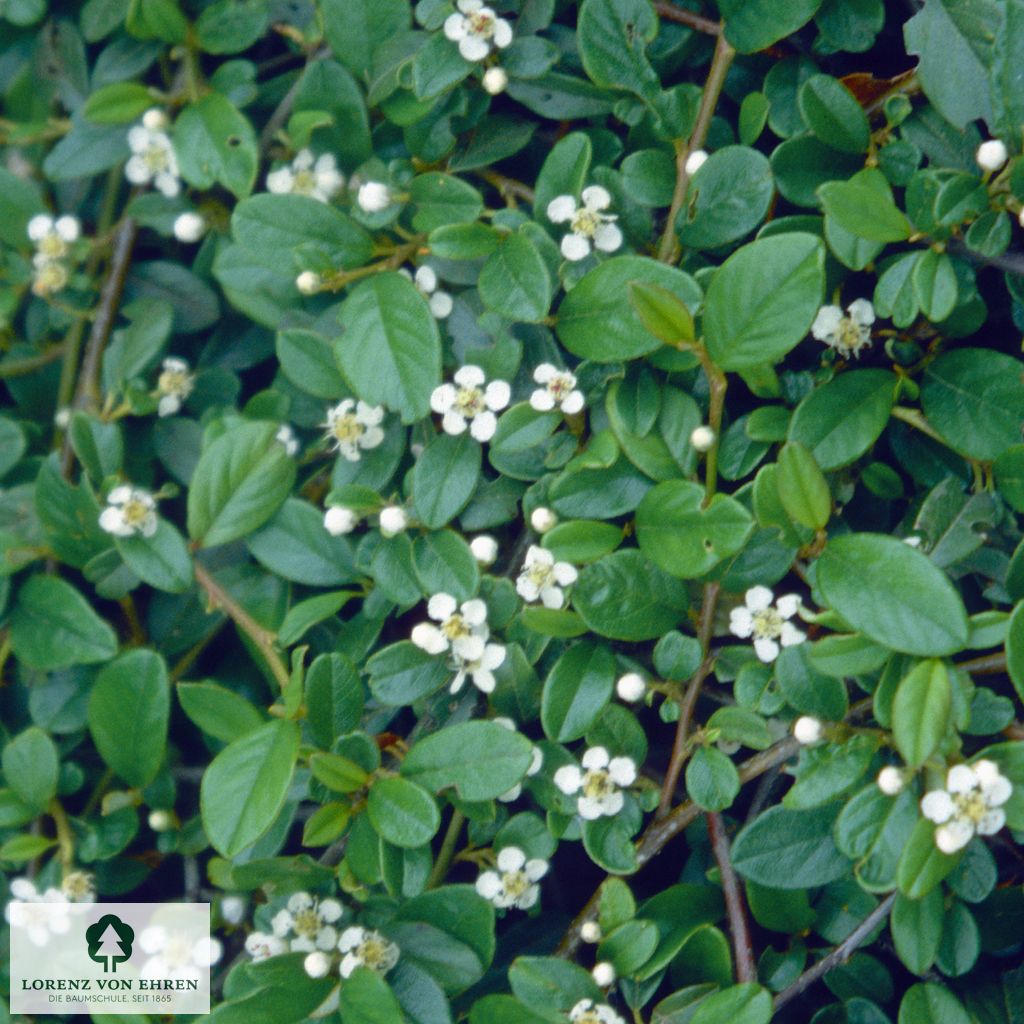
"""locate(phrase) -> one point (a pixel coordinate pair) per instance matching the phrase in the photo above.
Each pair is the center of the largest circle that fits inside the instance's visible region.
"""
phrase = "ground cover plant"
(518, 506)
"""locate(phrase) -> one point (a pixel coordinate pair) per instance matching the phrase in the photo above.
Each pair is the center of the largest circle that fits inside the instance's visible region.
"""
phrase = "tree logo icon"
(110, 942)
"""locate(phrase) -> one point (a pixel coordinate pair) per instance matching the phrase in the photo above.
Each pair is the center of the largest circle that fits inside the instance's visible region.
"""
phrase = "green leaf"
(302, 617)
(935, 285)
(390, 350)
(763, 299)
(216, 143)
(609, 844)
(833, 114)
(682, 537)
(803, 490)
(241, 480)
(663, 314)
(921, 711)
(444, 478)
(790, 849)
(52, 627)
(1015, 649)
(355, 28)
(582, 540)
(307, 360)
(403, 813)
(245, 786)
(118, 103)
(366, 999)
(402, 673)
(752, 25)
(338, 773)
(334, 697)
(613, 37)
(295, 545)
(514, 282)
(31, 765)
(932, 1003)
(893, 594)
(740, 1004)
(218, 711)
(162, 560)
(596, 319)
(712, 781)
(873, 829)
(827, 772)
(916, 927)
(577, 689)
(129, 711)
(441, 199)
(922, 865)
(230, 26)
(678, 911)
(864, 207)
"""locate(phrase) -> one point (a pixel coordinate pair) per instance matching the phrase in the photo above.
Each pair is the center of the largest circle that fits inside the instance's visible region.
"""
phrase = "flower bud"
(890, 780)
(161, 821)
(991, 155)
(308, 282)
(495, 80)
(695, 161)
(373, 197)
(232, 909)
(189, 227)
(317, 964)
(542, 519)
(62, 418)
(155, 120)
(808, 730)
(590, 931)
(1020, 217)
(603, 974)
(339, 520)
(393, 520)
(631, 687)
(702, 438)
(485, 549)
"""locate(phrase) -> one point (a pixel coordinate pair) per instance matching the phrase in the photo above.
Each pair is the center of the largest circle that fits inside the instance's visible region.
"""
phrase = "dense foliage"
(519, 507)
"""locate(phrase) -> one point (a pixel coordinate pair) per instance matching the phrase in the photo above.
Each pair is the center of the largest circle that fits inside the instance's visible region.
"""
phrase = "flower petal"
(561, 209)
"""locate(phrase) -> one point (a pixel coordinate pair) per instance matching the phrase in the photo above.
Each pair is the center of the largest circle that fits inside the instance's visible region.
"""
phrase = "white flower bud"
(495, 80)
(308, 282)
(373, 197)
(339, 520)
(155, 120)
(189, 227)
(631, 687)
(991, 155)
(890, 780)
(702, 438)
(590, 931)
(1020, 217)
(232, 909)
(542, 519)
(317, 964)
(393, 520)
(485, 549)
(161, 821)
(603, 974)
(695, 161)
(62, 418)
(808, 730)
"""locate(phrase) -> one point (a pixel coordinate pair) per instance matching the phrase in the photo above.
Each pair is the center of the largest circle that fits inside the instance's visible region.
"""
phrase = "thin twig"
(841, 953)
(743, 951)
(29, 364)
(447, 851)
(986, 665)
(681, 15)
(508, 186)
(283, 110)
(1011, 262)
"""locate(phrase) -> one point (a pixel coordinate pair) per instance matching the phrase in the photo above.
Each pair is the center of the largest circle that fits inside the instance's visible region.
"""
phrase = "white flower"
(189, 227)
(261, 946)
(695, 161)
(702, 438)
(354, 427)
(310, 920)
(559, 388)
(373, 197)
(176, 955)
(604, 975)
(590, 931)
(970, 804)
(543, 519)
(890, 780)
(161, 821)
(79, 887)
(308, 282)
(514, 884)
(364, 948)
(173, 386)
(589, 227)
(480, 670)
(991, 155)
(849, 334)
(913, 541)
(495, 80)
(153, 158)
(586, 1011)
(339, 520)
(130, 510)
(317, 964)
(631, 687)
(38, 922)
(477, 30)
(53, 237)
(232, 909)
(808, 730)
(307, 175)
(485, 549)
(536, 762)
(285, 436)
(469, 401)
(393, 520)
(463, 629)
(599, 785)
(767, 623)
(49, 276)
(425, 280)
(543, 578)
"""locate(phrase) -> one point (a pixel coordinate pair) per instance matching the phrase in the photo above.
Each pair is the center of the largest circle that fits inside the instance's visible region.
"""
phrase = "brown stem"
(264, 639)
(698, 23)
(838, 955)
(986, 665)
(508, 186)
(65, 835)
(743, 951)
(668, 248)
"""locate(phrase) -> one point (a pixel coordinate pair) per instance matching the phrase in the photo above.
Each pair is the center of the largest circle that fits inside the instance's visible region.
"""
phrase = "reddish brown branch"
(682, 16)
(735, 906)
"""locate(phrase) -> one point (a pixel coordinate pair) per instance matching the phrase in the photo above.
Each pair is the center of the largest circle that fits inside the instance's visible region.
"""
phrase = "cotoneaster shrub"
(519, 507)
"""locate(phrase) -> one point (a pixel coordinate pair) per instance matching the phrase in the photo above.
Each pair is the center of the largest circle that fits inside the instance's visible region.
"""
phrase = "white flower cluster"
(130, 511)
(354, 427)
(425, 280)
(849, 335)
(514, 884)
(176, 955)
(477, 30)
(766, 623)
(558, 388)
(971, 804)
(586, 1011)
(153, 159)
(461, 631)
(53, 239)
(470, 402)
(173, 386)
(542, 578)
(24, 912)
(308, 175)
(589, 226)
(598, 785)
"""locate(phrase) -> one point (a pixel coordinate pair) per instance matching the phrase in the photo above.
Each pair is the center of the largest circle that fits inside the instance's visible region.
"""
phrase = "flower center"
(850, 335)
(307, 923)
(971, 806)
(373, 952)
(134, 512)
(768, 624)
(481, 24)
(173, 382)
(587, 1017)
(560, 386)
(304, 183)
(347, 429)
(155, 157)
(540, 575)
(469, 402)
(52, 246)
(455, 627)
(586, 222)
(515, 883)
(597, 784)
(177, 951)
